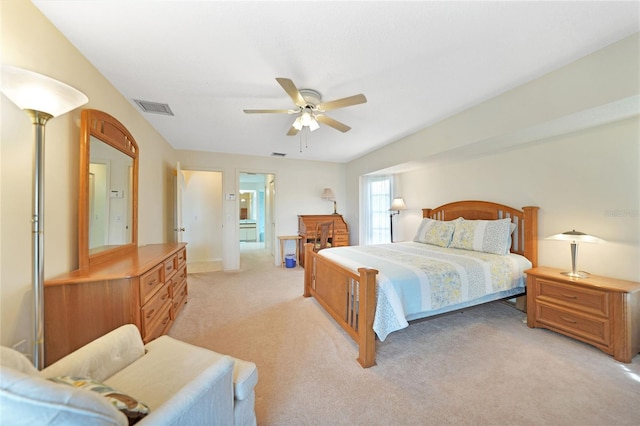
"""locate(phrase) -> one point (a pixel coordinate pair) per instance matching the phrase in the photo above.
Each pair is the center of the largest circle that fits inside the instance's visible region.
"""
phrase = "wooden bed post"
(308, 269)
(531, 234)
(367, 337)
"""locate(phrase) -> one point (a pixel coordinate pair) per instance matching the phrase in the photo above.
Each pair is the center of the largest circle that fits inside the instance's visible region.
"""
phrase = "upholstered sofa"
(179, 383)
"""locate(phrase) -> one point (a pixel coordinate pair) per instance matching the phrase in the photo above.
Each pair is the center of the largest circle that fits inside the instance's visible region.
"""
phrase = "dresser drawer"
(170, 266)
(182, 257)
(584, 299)
(150, 283)
(179, 298)
(181, 275)
(160, 325)
(155, 305)
(584, 327)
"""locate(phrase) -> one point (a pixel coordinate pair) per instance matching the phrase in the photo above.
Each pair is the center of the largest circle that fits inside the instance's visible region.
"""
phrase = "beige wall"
(546, 143)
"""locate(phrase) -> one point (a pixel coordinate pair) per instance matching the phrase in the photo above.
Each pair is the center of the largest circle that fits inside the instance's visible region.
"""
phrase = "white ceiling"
(416, 62)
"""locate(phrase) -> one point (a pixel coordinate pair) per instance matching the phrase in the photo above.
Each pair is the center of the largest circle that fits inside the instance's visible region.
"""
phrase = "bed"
(464, 254)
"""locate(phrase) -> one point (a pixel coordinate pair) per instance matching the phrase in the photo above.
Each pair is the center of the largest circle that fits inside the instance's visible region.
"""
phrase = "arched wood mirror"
(108, 195)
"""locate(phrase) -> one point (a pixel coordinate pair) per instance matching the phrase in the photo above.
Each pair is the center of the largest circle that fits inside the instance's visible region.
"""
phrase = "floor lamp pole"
(39, 121)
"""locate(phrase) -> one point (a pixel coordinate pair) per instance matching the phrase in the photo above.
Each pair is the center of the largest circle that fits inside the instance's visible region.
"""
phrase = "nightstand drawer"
(583, 299)
(584, 327)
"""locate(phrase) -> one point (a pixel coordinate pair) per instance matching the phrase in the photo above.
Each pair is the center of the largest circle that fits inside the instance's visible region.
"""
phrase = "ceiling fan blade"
(292, 131)
(333, 123)
(269, 111)
(344, 102)
(292, 91)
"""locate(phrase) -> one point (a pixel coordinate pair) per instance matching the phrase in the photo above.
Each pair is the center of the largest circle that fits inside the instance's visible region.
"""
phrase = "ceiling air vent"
(154, 107)
(278, 154)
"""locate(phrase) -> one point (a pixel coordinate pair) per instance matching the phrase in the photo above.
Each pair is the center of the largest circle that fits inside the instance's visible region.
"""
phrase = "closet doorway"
(256, 201)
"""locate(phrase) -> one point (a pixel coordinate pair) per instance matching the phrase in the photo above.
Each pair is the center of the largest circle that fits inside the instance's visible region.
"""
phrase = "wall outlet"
(21, 346)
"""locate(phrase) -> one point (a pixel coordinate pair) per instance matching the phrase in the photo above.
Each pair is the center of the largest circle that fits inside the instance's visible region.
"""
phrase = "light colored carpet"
(199, 267)
(480, 367)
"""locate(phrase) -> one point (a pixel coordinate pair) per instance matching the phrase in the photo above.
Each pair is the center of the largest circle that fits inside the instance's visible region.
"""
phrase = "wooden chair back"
(324, 231)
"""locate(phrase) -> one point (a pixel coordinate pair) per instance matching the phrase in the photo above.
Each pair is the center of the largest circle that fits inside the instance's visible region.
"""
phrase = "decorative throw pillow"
(130, 407)
(489, 236)
(435, 232)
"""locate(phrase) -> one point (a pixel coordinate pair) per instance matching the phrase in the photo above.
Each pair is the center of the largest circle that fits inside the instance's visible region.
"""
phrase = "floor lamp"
(42, 98)
(396, 206)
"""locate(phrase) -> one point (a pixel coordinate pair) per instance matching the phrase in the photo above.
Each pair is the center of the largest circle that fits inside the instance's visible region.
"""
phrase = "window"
(377, 197)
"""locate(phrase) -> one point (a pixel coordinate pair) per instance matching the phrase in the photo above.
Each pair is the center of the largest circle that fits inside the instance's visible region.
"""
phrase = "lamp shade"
(575, 236)
(398, 204)
(328, 194)
(32, 91)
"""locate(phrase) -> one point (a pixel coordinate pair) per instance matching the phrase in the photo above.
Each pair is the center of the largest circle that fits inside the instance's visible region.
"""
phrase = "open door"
(177, 214)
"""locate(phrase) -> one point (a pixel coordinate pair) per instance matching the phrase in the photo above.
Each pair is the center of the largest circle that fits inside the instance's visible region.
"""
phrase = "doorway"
(256, 201)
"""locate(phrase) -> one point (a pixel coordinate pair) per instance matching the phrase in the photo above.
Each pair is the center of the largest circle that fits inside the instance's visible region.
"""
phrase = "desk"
(283, 239)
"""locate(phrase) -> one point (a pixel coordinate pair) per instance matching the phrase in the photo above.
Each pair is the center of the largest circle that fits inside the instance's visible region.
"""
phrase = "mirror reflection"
(110, 188)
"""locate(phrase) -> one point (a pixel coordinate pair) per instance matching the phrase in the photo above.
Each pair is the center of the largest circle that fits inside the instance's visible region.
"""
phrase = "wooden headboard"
(525, 236)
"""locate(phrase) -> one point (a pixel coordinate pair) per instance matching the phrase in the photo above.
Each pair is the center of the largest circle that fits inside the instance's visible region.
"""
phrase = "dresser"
(601, 311)
(307, 231)
(146, 286)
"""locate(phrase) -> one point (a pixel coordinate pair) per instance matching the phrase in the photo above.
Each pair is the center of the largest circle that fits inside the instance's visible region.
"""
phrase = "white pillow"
(435, 232)
(489, 236)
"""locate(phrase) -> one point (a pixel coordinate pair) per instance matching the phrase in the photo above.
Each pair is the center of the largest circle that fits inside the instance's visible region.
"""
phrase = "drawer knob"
(150, 314)
(569, 296)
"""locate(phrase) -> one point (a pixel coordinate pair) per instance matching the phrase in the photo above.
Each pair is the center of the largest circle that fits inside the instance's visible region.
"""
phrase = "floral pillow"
(130, 407)
(489, 236)
(435, 232)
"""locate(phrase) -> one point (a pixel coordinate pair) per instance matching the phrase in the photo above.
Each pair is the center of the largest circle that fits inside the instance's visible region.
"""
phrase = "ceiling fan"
(310, 108)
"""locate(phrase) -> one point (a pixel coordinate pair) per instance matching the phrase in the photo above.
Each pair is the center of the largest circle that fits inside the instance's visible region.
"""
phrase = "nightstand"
(601, 311)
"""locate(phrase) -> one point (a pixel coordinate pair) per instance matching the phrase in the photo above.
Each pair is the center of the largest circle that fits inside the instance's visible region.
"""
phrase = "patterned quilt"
(417, 280)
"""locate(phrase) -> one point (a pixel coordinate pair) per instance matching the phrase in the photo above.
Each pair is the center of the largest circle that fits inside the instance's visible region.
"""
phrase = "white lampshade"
(576, 236)
(398, 204)
(328, 194)
(33, 91)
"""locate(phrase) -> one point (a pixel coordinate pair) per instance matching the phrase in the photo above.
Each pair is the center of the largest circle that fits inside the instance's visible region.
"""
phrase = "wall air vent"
(154, 107)
(278, 154)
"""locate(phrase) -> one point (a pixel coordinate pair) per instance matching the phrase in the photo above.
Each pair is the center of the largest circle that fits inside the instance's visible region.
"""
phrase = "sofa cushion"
(28, 399)
(145, 379)
(127, 404)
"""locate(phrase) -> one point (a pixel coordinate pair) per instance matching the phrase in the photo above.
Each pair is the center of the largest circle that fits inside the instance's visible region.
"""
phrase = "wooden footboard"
(348, 297)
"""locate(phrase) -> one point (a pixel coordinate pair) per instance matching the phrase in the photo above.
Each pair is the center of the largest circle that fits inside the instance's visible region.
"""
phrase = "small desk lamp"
(42, 98)
(575, 237)
(328, 194)
(396, 206)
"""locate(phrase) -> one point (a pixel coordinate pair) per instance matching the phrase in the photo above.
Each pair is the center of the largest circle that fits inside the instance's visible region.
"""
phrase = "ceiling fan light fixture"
(306, 118)
(314, 125)
(297, 124)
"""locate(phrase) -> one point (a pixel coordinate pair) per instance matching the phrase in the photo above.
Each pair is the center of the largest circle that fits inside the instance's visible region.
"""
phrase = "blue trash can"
(290, 260)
